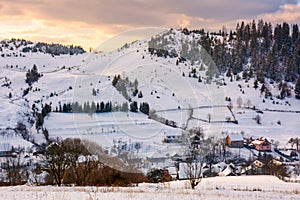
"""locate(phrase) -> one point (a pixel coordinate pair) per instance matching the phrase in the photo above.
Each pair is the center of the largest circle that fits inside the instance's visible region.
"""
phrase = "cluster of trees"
(144, 108)
(101, 107)
(54, 49)
(153, 115)
(46, 108)
(15, 42)
(274, 55)
(32, 75)
(158, 176)
(159, 45)
(126, 87)
(16, 171)
(73, 161)
(255, 49)
(268, 167)
(12, 45)
(88, 107)
(70, 161)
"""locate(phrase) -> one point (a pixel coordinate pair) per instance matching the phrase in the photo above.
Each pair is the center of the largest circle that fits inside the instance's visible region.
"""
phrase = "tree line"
(255, 49)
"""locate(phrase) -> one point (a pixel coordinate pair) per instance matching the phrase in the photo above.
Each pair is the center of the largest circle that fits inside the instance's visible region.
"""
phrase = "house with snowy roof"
(235, 140)
(5, 150)
(174, 137)
(261, 144)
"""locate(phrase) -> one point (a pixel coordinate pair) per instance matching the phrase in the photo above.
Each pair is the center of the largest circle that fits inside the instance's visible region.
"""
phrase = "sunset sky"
(90, 22)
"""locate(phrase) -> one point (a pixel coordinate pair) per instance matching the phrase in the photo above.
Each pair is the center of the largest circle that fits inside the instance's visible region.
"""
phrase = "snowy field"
(104, 128)
(246, 188)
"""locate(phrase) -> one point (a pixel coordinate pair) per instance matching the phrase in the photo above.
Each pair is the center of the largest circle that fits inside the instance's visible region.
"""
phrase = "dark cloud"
(154, 12)
(290, 2)
(145, 12)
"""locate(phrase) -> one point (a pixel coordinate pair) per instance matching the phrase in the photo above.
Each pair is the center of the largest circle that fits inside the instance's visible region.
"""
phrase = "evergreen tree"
(93, 107)
(144, 108)
(255, 84)
(32, 75)
(295, 34)
(199, 80)
(102, 105)
(297, 88)
(134, 107)
(94, 93)
(140, 94)
(39, 121)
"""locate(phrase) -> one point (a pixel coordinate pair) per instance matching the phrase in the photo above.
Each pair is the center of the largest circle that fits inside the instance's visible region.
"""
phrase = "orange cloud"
(288, 13)
(90, 22)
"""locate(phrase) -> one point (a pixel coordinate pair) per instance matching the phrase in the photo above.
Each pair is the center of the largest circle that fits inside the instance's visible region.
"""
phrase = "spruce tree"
(297, 88)
(255, 84)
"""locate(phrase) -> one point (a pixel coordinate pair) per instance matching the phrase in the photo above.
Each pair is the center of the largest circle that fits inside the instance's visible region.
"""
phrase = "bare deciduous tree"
(239, 102)
(56, 161)
(15, 170)
(296, 142)
(195, 157)
(189, 117)
(209, 117)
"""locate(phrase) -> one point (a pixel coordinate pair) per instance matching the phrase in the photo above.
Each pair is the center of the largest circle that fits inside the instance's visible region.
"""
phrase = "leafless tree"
(16, 172)
(239, 102)
(62, 157)
(230, 105)
(56, 161)
(296, 142)
(248, 103)
(79, 168)
(195, 157)
(209, 117)
(257, 119)
(189, 117)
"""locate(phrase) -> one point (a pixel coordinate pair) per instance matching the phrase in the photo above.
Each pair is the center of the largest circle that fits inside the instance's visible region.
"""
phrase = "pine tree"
(255, 84)
(199, 80)
(297, 88)
(94, 93)
(140, 95)
(228, 74)
(295, 34)
(144, 108)
(134, 107)
(32, 75)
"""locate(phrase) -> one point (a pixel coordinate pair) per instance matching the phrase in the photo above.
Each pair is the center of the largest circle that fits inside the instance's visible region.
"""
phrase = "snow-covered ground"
(73, 78)
(244, 187)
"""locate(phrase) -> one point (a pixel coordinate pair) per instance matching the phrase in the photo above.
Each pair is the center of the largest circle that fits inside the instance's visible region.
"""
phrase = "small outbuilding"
(235, 140)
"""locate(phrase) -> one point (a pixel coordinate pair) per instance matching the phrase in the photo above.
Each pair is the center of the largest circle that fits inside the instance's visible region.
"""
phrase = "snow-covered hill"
(169, 86)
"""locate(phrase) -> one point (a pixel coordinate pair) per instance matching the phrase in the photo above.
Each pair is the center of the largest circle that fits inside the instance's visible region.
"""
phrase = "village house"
(235, 140)
(262, 144)
(5, 150)
(173, 137)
